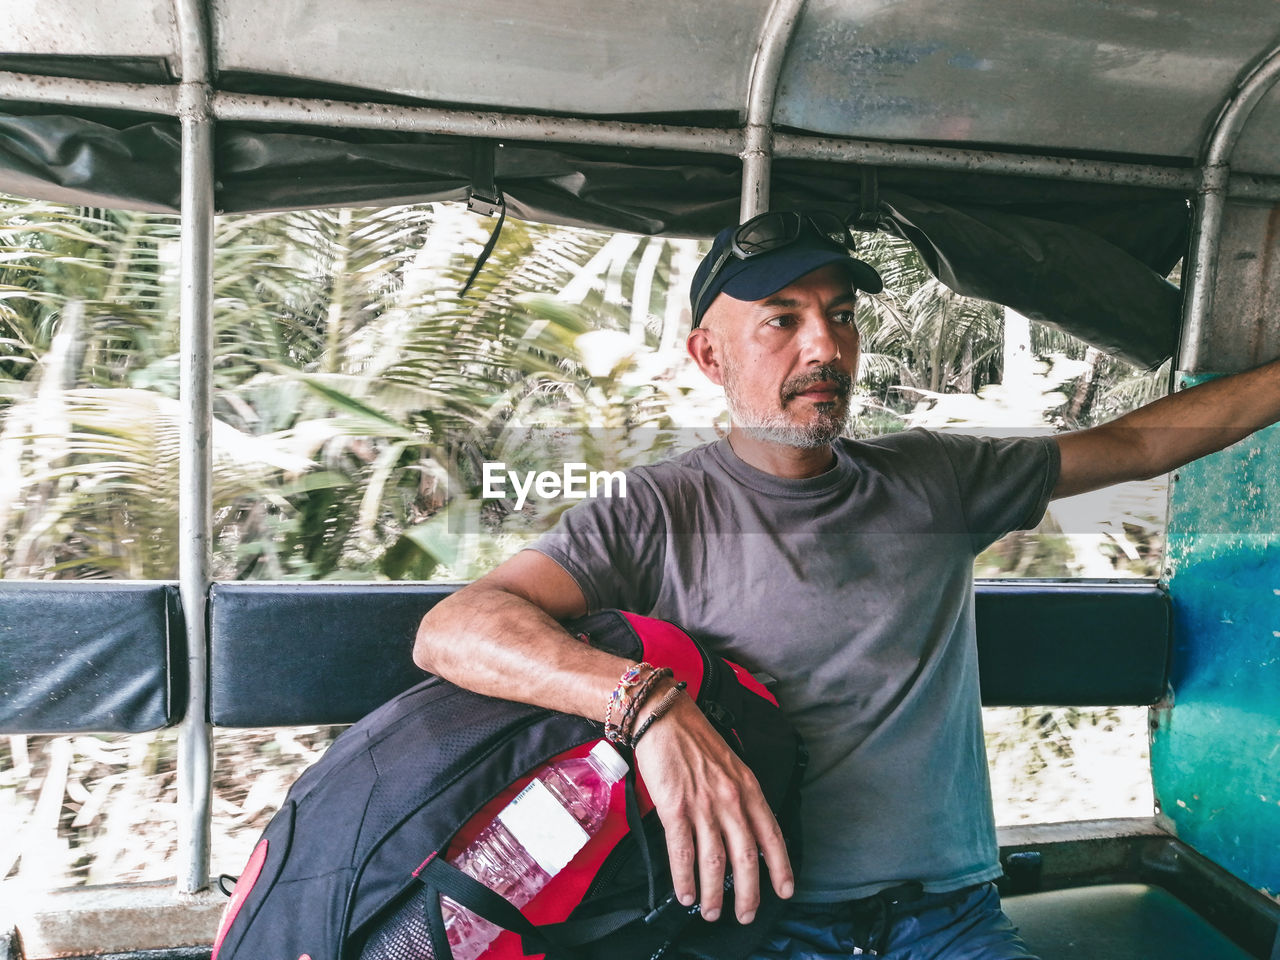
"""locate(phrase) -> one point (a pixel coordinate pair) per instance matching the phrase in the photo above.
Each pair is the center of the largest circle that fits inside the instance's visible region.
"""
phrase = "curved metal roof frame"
(1215, 175)
(762, 97)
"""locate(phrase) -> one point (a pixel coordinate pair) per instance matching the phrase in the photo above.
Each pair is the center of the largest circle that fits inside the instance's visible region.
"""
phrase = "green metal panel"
(1216, 750)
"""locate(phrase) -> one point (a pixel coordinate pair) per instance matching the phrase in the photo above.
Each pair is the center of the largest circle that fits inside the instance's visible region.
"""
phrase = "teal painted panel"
(1215, 753)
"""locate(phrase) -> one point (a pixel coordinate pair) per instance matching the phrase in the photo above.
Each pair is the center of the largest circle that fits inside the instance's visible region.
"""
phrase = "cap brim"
(763, 276)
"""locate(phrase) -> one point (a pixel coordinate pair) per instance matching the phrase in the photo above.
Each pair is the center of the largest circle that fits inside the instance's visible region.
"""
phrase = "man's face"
(787, 362)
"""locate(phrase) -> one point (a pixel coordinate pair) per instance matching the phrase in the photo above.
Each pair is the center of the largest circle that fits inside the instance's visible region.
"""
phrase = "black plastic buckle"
(908, 892)
(487, 206)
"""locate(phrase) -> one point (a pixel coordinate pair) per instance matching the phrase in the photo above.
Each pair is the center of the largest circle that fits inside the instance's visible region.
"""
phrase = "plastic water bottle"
(532, 839)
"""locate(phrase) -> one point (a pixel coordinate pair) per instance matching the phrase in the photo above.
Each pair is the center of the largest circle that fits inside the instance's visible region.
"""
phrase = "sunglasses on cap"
(773, 231)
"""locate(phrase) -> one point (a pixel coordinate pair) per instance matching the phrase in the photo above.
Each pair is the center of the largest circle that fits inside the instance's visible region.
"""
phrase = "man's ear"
(702, 347)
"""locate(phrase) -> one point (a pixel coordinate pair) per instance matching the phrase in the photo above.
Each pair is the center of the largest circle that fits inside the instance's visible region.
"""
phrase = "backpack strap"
(443, 878)
(635, 823)
(553, 939)
(435, 924)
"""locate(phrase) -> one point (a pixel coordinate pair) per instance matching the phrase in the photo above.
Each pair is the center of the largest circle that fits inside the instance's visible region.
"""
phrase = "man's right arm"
(499, 637)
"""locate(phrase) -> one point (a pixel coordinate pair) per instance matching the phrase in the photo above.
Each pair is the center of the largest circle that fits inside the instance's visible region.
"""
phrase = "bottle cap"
(609, 759)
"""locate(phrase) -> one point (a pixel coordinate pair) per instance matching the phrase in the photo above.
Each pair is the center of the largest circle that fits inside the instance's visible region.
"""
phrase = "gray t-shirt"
(854, 589)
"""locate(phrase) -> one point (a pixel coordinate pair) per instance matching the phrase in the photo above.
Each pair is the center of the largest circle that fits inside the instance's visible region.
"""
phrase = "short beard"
(828, 424)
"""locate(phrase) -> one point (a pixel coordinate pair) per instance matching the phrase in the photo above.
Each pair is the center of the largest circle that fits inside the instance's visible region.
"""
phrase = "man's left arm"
(1170, 432)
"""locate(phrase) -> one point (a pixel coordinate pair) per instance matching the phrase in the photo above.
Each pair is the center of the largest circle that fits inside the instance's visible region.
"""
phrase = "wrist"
(658, 706)
(635, 688)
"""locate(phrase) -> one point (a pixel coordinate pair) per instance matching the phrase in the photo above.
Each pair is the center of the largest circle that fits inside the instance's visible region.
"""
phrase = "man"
(843, 569)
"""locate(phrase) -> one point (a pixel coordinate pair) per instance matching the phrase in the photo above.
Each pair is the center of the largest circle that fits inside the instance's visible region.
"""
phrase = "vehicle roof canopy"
(630, 116)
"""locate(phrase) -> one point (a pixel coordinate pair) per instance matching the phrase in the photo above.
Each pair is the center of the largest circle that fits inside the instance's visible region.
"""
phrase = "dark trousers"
(902, 923)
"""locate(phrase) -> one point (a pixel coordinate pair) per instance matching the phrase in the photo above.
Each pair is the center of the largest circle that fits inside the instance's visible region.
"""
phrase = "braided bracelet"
(613, 729)
(665, 704)
(638, 696)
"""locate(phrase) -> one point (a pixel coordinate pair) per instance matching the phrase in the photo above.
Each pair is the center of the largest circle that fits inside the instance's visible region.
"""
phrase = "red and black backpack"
(353, 865)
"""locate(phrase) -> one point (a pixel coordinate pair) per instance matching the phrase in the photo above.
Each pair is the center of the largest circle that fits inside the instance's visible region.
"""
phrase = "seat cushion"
(90, 656)
(1130, 921)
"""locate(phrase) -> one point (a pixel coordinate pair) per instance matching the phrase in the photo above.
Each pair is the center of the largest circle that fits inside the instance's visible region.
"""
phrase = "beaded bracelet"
(613, 729)
(665, 704)
(638, 696)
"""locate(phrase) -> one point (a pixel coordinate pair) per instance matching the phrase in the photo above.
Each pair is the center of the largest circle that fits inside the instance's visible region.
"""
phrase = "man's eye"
(845, 316)
(786, 320)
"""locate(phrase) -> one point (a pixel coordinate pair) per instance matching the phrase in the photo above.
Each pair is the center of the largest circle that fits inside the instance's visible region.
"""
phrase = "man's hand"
(713, 813)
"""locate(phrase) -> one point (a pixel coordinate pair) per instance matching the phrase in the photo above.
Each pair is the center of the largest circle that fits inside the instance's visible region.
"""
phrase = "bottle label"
(543, 827)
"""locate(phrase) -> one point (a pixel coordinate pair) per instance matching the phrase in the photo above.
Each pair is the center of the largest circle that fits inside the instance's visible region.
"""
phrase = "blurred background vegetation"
(357, 392)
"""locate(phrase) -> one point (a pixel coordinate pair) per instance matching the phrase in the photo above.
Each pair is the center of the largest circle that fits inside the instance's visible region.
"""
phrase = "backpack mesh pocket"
(402, 934)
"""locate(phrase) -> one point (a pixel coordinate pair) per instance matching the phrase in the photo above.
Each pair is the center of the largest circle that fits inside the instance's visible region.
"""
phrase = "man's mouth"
(824, 392)
(823, 386)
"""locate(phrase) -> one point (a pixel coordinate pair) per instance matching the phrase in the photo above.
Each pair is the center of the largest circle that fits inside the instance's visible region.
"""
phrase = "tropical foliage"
(356, 393)
(919, 336)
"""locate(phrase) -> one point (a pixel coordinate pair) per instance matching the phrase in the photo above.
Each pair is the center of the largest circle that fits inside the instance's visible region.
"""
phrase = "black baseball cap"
(763, 274)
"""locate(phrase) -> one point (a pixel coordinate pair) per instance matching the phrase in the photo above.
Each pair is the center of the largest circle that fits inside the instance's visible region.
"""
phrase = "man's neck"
(791, 463)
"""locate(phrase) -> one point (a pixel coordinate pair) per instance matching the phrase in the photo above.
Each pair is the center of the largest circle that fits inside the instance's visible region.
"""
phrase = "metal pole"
(792, 146)
(142, 97)
(491, 125)
(236, 107)
(242, 108)
(195, 741)
(1202, 263)
(762, 96)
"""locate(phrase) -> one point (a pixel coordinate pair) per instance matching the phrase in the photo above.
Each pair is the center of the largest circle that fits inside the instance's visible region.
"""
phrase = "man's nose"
(820, 341)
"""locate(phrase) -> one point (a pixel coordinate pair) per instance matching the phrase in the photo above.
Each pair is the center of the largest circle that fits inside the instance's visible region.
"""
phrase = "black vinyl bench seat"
(90, 657)
(110, 657)
(1129, 890)
(299, 654)
(1120, 921)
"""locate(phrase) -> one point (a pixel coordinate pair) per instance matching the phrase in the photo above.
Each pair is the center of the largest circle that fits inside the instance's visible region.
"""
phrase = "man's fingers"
(744, 858)
(773, 847)
(711, 862)
(680, 851)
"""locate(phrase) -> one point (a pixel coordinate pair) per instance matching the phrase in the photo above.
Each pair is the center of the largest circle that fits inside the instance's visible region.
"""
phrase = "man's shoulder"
(916, 442)
(925, 442)
(986, 470)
